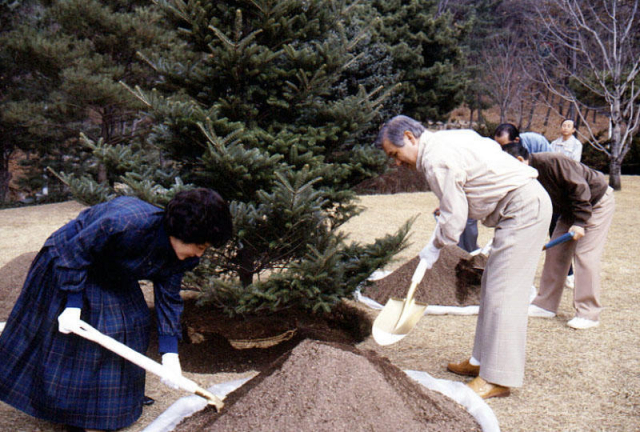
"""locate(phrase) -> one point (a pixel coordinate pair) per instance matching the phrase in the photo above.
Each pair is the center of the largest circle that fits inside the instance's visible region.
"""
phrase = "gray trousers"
(521, 221)
(586, 254)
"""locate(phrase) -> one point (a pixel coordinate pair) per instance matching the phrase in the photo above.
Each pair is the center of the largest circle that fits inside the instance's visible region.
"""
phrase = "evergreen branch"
(58, 176)
(223, 37)
(178, 11)
(137, 93)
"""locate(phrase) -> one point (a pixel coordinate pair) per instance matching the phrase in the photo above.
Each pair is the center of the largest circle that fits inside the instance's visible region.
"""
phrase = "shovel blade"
(396, 320)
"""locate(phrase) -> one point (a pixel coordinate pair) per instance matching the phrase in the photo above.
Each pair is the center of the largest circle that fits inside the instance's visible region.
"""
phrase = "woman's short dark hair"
(393, 130)
(509, 129)
(516, 149)
(199, 216)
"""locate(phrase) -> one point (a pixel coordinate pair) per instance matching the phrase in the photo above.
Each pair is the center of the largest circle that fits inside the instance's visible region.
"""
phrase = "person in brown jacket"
(586, 205)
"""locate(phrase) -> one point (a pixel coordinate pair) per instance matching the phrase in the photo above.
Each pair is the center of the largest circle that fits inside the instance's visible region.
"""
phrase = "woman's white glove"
(172, 370)
(429, 255)
(69, 319)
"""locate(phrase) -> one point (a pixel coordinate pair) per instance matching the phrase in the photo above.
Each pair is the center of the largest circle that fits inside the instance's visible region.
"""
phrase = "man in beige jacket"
(473, 178)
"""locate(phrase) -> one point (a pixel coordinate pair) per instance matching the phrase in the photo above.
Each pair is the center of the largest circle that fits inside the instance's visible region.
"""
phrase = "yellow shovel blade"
(396, 320)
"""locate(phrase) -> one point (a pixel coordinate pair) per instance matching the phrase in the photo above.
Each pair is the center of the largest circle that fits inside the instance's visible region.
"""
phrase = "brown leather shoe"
(464, 368)
(486, 390)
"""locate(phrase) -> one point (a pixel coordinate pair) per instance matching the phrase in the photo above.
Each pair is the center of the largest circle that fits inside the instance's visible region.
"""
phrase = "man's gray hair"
(393, 130)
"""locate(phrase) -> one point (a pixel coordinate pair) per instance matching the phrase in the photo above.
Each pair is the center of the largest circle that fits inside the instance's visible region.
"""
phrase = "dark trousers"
(469, 238)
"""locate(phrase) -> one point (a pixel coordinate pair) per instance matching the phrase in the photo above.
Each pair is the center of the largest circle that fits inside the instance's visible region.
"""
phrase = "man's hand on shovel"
(429, 255)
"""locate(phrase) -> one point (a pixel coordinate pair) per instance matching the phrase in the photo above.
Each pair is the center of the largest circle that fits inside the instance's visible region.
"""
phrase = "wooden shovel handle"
(88, 332)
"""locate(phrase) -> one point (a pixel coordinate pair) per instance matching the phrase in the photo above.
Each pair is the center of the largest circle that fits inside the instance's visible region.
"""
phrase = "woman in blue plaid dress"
(89, 269)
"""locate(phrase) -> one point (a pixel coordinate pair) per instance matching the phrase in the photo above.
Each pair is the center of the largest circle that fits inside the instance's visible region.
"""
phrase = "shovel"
(398, 316)
(487, 249)
(563, 238)
(86, 331)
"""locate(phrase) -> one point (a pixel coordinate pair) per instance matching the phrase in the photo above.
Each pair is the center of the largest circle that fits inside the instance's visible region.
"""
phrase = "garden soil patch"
(454, 280)
(12, 276)
(328, 387)
(210, 342)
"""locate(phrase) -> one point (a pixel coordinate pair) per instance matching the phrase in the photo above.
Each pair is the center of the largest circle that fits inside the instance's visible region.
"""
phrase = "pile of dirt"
(454, 280)
(329, 387)
(209, 343)
(12, 276)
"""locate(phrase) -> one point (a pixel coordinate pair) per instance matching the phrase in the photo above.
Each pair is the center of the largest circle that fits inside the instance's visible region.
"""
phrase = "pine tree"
(66, 60)
(258, 109)
(425, 47)
(10, 79)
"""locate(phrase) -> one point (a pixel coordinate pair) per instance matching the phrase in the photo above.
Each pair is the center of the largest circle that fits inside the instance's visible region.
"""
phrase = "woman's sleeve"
(169, 306)
(79, 252)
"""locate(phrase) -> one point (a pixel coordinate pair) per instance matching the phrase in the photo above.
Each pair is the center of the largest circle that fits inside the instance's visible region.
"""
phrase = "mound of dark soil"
(454, 280)
(331, 387)
(12, 276)
(210, 339)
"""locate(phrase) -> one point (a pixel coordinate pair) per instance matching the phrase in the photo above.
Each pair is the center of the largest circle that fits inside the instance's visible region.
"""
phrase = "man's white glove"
(68, 319)
(429, 255)
(172, 370)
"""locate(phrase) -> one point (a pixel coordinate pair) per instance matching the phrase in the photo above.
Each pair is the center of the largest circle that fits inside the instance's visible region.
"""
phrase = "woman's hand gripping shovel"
(398, 316)
(86, 331)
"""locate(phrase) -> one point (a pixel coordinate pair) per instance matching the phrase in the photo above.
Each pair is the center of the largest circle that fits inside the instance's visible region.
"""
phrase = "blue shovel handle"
(563, 238)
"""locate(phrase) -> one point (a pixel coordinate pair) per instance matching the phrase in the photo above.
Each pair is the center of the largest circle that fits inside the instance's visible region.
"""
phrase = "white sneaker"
(535, 311)
(533, 293)
(582, 323)
(569, 282)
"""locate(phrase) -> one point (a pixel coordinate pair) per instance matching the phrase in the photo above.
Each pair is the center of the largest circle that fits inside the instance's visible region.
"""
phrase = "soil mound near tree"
(454, 280)
(328, 387)
(12, 276)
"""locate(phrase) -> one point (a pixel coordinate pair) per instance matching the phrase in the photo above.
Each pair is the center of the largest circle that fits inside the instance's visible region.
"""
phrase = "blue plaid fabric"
(101, 255)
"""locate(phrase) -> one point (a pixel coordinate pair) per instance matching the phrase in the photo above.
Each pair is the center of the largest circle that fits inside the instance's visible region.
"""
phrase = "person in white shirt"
(473, 177)
(568, 144)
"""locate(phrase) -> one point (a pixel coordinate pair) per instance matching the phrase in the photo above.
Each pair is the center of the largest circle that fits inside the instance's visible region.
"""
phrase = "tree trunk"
(615, 172)
(615, 161)
(5, 177)
(521, 114)
(532, 110)
(246, 268)
(546, 116)
(102, 173)
(480, 116)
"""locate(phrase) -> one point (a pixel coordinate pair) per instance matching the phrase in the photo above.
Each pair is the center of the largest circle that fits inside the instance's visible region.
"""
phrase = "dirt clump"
(328, 387)
(209, 343)
(12, 276)
(454, 280)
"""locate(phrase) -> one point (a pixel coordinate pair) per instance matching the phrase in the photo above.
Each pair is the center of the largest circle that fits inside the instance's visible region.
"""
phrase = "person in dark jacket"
(586, 205)
(89, 269)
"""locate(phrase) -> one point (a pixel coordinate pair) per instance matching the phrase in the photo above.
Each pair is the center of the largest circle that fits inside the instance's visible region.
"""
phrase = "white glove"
(68, 319)
(172, 370)
(429, 255)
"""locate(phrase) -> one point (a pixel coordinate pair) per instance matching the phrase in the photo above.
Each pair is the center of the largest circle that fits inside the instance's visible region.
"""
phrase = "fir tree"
(426, 50)
(67, 58)
(258, 109)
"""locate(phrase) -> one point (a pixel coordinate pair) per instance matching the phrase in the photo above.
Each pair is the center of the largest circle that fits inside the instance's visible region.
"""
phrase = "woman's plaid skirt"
(64, 378)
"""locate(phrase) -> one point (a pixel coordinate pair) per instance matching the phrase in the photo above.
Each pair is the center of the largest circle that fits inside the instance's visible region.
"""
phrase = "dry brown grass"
(575, 381)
